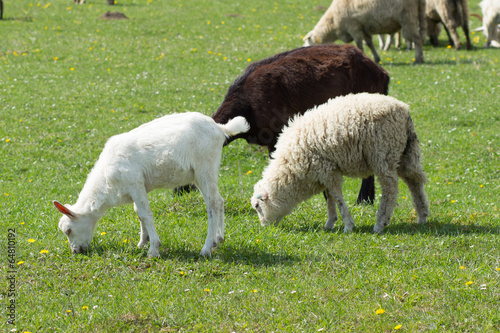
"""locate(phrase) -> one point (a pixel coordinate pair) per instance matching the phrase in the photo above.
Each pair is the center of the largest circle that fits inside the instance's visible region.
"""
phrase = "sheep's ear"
(65, 210)
(262, 196)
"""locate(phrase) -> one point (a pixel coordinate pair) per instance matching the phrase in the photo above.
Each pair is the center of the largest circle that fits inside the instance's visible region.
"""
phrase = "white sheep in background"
(355, 136)
(173, 150)
(358, 20)
(491, 19)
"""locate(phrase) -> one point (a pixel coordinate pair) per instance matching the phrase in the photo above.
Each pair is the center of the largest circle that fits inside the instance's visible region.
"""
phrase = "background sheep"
(166, 152)
(491, 18)
(272, 90)
(355, 136)
(358, 20)
(452, 13)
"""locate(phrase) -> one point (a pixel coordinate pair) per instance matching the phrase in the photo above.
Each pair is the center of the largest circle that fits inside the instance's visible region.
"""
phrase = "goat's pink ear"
(65, 210)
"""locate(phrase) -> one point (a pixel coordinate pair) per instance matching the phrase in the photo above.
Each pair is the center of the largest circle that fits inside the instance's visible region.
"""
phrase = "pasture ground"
(69, 80)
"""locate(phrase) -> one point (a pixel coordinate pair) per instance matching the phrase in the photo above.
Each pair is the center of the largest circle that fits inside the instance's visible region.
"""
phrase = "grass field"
(69, 81)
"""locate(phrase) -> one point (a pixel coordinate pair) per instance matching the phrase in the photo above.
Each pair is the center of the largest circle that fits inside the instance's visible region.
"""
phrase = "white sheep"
(491, 18)
(173, 150)
(355, 136)
(358, 20)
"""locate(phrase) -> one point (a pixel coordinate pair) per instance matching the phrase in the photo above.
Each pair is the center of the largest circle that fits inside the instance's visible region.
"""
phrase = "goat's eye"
(68, 232)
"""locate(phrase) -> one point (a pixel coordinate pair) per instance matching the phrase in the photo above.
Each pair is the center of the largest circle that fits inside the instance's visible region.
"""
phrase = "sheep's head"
(309, 39)
(78, 228)
(270, 209)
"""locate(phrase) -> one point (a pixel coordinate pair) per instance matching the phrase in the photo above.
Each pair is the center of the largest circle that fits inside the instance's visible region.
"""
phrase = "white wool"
(355, 136)
(358, 20)
(170, 151)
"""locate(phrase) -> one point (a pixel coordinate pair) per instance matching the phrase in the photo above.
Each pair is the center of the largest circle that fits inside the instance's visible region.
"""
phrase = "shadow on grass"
(433, 228)
(228, 253)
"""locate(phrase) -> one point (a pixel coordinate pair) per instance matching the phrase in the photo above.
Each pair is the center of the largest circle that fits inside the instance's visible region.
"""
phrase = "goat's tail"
(235, 126)
(410, 163)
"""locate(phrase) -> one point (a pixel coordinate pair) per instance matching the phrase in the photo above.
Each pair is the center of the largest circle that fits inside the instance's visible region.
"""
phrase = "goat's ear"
(63, 209)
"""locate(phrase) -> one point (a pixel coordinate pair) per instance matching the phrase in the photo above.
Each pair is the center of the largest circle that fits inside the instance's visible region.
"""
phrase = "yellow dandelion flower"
(31, 240)
(206, 290)
(453, 201)
(448, 47)
(103, 233)
(71, 69)
(481, 186)
(125, 240)
(44, 251)
(249, 59)
(462, 267)
(254, 290)
(380, 311)
(20, 263)
(68, 311)
(468, 283)
(398, 327)
(181, 272)
(7, 140)
(249, 172)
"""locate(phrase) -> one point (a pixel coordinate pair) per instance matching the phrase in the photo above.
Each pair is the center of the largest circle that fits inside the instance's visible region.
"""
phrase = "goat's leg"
(389, 188)
(144, 232)
(141, 205)
(215, 211)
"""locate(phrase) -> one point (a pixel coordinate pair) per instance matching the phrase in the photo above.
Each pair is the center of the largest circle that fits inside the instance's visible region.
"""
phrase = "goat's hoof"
(206, 253)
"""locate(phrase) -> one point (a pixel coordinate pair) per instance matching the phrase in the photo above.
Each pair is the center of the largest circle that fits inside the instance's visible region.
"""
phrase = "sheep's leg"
(418, 195)
(465, 28)
(144, 232)
(332, 210)
(369, 42)
(335, 191)
(215, 211)
(141, 205)
(389, 187)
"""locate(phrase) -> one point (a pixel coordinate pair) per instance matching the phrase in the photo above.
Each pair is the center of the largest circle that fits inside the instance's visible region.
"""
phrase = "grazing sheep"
(275, 89)
(358, 20)
(354, 136)
(170, 151)
(491, 18)
(452, 14)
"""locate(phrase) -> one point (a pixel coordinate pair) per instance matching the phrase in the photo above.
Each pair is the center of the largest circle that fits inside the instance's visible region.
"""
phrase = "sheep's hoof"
(154, 253)
(378, 229)
(348, 229)
(330, 224)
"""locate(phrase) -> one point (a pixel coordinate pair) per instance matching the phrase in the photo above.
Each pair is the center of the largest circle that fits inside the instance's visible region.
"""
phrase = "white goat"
(354, 135)
(173, 150)
(491, 17)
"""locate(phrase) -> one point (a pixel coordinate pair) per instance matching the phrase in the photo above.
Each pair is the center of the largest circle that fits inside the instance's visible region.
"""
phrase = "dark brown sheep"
(273, 90)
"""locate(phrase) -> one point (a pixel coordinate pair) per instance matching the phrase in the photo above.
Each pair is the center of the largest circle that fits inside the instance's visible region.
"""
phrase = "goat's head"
(79, 228)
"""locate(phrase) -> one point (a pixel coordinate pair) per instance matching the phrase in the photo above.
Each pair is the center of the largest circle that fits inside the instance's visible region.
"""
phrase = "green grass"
(69, 81)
